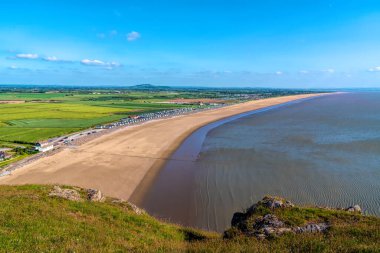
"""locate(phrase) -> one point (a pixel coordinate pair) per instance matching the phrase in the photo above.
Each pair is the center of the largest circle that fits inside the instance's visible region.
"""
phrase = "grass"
(31, 221)
(47, 114)
(39, 118)
(12, 160)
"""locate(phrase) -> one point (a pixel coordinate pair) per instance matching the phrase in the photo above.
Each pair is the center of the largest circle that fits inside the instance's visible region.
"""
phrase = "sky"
(286, 44)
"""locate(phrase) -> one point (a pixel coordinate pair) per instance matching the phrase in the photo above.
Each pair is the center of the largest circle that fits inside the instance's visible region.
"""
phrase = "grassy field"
(29, 114)
(43, 112)
(31, 221)
(46, 115)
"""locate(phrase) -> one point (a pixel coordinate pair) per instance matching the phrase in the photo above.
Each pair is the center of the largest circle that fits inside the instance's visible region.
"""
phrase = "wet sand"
(123, 163)
(324, 151)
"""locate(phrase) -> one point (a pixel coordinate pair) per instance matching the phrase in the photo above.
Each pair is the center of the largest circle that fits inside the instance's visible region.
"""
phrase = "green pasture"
(47, 115)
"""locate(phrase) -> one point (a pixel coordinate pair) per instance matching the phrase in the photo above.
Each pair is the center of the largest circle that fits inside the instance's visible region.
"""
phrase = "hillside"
(32, 220)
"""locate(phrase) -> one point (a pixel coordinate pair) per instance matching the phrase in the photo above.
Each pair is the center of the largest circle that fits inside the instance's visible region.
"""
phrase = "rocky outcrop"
(239, 219)
(354, 209)
(95, 195)
(252, 223)
(69, 194)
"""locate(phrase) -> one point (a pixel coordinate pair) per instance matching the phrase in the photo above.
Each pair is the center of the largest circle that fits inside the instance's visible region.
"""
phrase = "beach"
(124, 163)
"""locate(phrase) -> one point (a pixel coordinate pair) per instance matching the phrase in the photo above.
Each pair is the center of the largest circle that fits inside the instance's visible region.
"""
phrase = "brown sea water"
(323, 151)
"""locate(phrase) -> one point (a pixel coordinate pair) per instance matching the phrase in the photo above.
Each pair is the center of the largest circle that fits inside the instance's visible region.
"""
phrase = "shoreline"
(123, 163)
(141, 191)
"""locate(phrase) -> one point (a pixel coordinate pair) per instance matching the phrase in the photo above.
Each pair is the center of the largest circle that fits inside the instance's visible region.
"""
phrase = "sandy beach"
(122, 163)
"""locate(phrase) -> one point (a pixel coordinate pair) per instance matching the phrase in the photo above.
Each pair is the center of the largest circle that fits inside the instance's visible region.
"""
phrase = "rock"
(238, 218)
(268, 220)
(312, 228)
(130, 206)
(270, 225)
(136, 209)
(261, 236)
(69, 194)
(289, 204)
(354, 209)
(251, 223)
(275, 202)
(95, 195)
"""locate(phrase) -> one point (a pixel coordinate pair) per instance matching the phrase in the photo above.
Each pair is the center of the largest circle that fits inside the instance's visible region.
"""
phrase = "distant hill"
(39, 218)
(148, 87)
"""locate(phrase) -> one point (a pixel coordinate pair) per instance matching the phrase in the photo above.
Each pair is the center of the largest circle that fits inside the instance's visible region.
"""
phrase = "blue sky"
(293, 43)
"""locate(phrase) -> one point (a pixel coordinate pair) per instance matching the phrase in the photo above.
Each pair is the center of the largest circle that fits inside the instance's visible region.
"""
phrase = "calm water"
(324, 151)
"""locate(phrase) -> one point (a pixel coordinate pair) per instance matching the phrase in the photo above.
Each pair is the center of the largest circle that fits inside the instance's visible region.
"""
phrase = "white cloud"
(27, 56)
(113, 64)
(304, 72)
(89, 62)
(13, 67)
(55, 59)
(279, 73)
(331, 71)
(51, 58)
(133, 36)
(108, 65)
(374, 69)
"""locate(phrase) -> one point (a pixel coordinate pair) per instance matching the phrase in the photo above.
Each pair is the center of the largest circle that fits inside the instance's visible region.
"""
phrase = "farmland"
(43, 116)
(29, 114)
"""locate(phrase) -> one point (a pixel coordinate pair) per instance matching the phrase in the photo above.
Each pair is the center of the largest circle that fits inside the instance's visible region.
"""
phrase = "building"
(44, 146)
(134, 116)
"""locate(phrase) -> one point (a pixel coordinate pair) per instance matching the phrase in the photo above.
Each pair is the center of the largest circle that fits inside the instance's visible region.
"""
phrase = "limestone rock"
(130, 206)
(354, 209)
(95, 195)
(136, 209)
(312, 228)
(250, 223)
(275, 202)
(269, 220)
(69, 194)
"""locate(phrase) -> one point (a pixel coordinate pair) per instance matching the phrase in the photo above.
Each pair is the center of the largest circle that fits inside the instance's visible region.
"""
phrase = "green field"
(46, 115)
(44, 112)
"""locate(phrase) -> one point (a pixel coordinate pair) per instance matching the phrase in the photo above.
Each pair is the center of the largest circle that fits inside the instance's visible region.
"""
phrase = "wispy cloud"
(13, 67)
(374, 69)
(133, 36)
(55, 59)
(27, 56)
(330, 71)
(304, 72)
(113, 33)
(89, 62)
(107, 65)
(279, 73)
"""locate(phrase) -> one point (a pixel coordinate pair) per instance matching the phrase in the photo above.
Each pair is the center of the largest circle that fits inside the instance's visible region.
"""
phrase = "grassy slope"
(30, 221)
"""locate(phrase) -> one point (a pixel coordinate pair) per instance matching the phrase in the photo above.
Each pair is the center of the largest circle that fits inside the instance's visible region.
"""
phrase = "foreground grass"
(31, 221)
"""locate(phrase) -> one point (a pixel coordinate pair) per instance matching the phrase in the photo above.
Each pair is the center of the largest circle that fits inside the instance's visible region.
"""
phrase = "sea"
(322, 151)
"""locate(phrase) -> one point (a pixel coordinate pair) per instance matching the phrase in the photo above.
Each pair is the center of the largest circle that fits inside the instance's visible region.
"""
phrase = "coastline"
(124, 163)
(142, 190)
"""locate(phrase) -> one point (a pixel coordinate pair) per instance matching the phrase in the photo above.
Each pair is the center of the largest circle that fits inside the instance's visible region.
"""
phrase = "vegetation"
(31, 221)
(32, 113)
